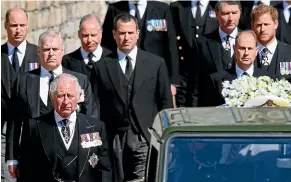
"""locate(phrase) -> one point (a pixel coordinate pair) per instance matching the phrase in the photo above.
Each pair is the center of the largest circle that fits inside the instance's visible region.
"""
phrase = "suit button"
(197, 35)
(129, 86)
(178, 37)
(180, 47)
(197, 27)
(182, 58)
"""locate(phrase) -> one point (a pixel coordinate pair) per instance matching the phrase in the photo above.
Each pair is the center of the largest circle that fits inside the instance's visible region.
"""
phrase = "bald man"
(17, 56)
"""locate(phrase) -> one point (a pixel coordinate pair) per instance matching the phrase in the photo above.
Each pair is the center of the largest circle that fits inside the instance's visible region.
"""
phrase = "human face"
(90, 35)
(228, 17)
(65, 98)
(126, 35)
(16, 27)
(245, 51)
(51, 52)
(265, 28)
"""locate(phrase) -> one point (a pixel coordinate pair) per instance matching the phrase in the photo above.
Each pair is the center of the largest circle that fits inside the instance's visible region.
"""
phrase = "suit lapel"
(84, 127)
(33, 82)
(113, 68)
(47, 136)
(185, 19)
(78, 63)
(139, 72)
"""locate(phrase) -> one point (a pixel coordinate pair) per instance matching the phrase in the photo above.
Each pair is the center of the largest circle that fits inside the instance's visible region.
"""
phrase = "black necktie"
(65, 130)
(137, 14)
(245, 74)
(49, 102)
(128, 68)
(264, 58)
(90, 60)
(15, 60)
(198, 10)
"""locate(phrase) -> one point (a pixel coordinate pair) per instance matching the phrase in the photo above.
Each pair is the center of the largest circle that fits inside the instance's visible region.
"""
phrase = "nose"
(89, 38)
(51, 52)
(66, 99)
(126, 37)
(230, 17)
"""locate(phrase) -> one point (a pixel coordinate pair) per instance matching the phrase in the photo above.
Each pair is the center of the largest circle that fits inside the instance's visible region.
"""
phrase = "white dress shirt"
(232, 37)
(141, 5)
(72, 123)
(271, 47)
(96, 54)
(239, 72)
(122, 61)
(44, 82)
(203, 7)
(286, 11)
(20, 53)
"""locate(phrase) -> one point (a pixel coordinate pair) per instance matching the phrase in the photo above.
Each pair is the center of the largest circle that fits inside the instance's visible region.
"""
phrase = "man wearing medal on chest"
(63, 145)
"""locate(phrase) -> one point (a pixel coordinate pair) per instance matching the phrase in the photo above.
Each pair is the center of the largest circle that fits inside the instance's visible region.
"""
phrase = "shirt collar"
(97, 53)
(139, 3)
(239, 71)
(265, 2)
(286, 6)
(44, 72)
(233, 34)
(203, 3)
(21, 48)
(132, 54)
(271, 47)
(72, 117)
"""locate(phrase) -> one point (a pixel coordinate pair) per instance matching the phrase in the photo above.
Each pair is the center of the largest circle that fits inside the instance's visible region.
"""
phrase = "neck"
(265, 44)
(244, 67)
(15, 44)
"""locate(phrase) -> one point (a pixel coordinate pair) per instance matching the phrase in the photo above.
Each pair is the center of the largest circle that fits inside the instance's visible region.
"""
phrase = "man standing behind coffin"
(82, 60)
(157, 32)
(133, 87)
(63, 145)
(30, 96)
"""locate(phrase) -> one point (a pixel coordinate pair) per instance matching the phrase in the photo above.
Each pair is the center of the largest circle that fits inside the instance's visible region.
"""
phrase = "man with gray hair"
(82, 60)
(55, 136)
(30, 94)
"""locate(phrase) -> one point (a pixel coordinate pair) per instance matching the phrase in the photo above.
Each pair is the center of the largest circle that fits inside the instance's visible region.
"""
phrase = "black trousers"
(129, 156)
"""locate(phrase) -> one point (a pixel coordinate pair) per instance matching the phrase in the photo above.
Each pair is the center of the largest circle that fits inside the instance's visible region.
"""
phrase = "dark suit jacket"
(26, 103)
(37, 155)
(215, 88)
(151, 91)
(161, 43)
(8, 74)
(282, 54)
(283, 31)
(75, 62)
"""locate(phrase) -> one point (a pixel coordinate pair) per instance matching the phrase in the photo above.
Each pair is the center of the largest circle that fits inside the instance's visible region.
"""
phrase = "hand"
(13, 171)
(173, 90)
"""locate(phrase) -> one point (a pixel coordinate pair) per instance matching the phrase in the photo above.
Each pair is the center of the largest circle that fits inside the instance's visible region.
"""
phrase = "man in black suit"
(133, 86)
(274, 56)
(284, 27)
(63, 145)
(245, 50)
(17, 56)
(82, 59)
(192, 19)
(247, 7)
(30, 93)
(157, 34)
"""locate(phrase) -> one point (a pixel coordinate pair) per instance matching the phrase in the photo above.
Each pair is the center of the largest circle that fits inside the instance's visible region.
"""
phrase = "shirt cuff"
(12, 162)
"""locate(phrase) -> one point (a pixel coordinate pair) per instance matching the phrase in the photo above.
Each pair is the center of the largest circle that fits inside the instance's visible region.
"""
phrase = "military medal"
(93, 160)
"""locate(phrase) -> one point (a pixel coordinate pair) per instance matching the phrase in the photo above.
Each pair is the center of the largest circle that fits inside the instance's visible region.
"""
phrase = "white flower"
(240, 90)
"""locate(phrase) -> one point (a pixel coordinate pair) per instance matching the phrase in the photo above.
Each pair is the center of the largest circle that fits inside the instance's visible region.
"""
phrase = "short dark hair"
(124, 17)
(9, 11)
(233, 2)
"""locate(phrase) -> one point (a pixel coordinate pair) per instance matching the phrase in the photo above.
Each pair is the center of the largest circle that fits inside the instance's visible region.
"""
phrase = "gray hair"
(49, 33)
(90, 16)
(64, 77)
(229, 2)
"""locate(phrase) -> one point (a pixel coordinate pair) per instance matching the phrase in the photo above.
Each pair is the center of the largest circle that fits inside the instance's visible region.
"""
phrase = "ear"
(79, 34)
(114, 34)
(6, 25)
(276, 24)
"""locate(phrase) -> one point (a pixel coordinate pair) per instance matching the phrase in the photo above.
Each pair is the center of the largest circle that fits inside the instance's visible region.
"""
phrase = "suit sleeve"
(104, 165)
(164, 95)
(14, 124)
(173, 50)
(107, 36)
(89, 106)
